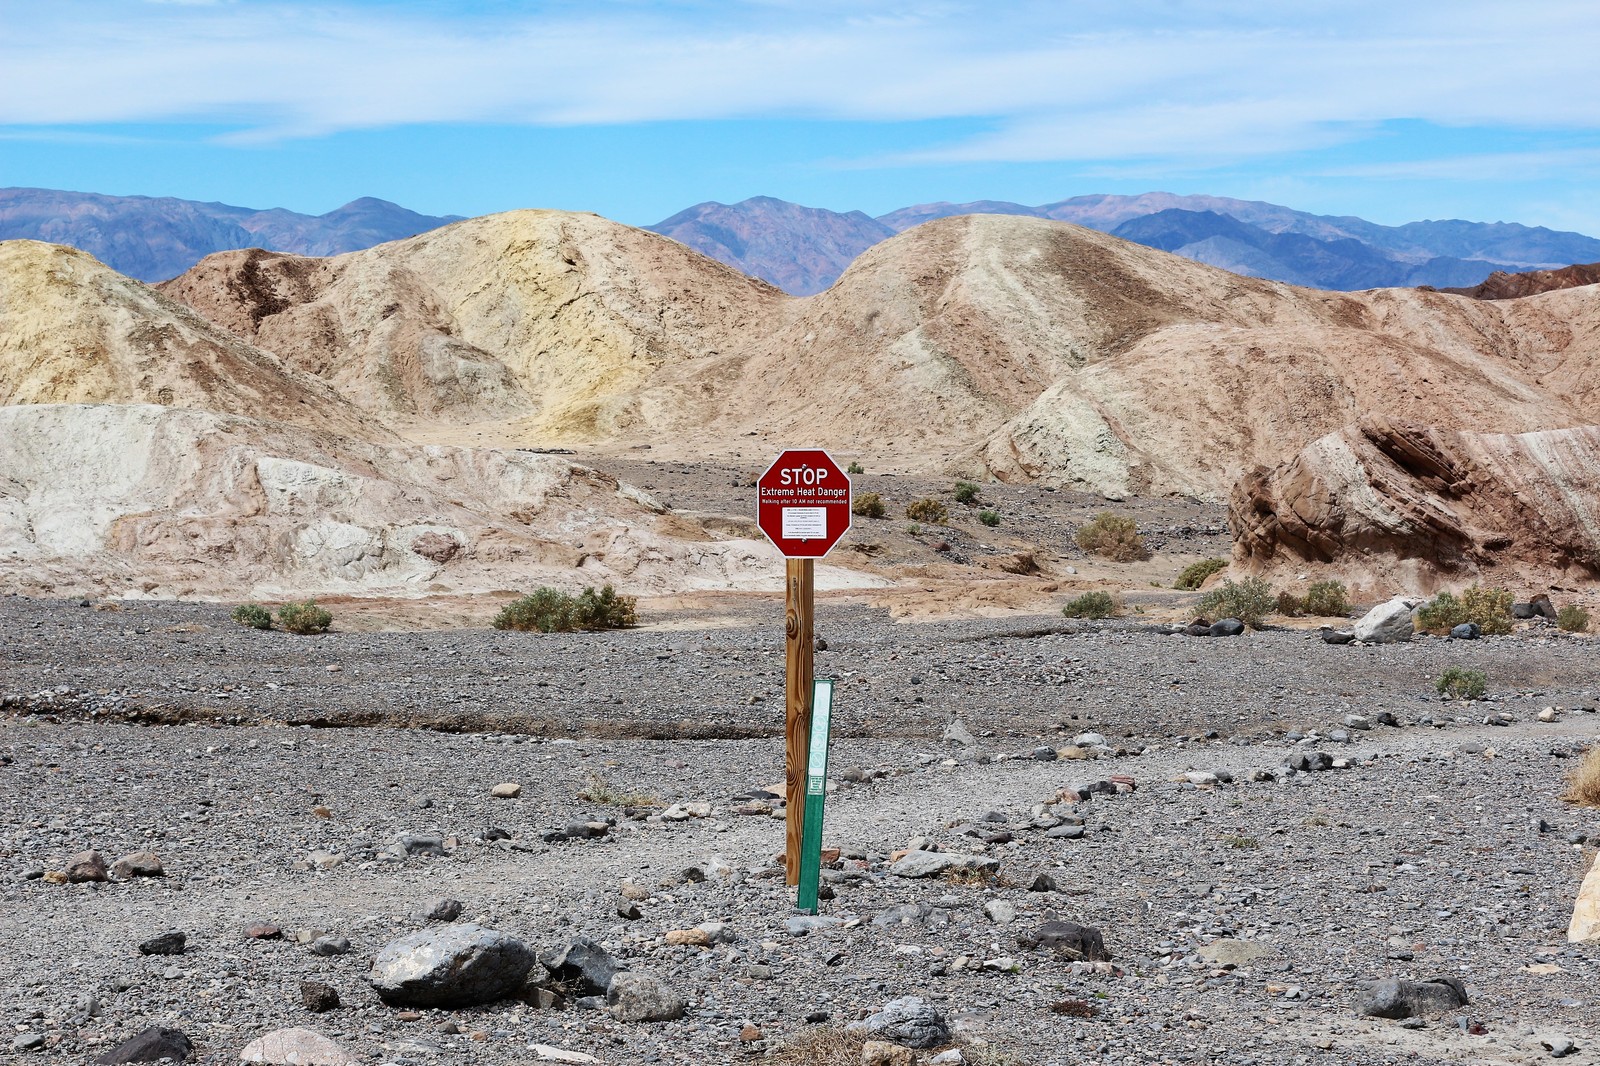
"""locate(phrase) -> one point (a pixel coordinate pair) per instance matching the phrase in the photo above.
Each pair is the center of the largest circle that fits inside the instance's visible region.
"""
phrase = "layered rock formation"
(1426, 507)
(149, 500)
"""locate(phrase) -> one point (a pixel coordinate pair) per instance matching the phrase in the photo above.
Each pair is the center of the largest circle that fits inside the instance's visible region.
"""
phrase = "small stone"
(263, 931)
(694, 938)
(318, 997)
(418, 844)
(1397, 998)
(164, 944)
(546, 1053)
(637, 997)
(28, 1042)
(1000, 912)
(138, 864)
(583, 963)
(750, 1034)
(1069, 939)
(1558, 1046)
(885, 1053)
(453, 965)
(1465, 631)
(1357, 721)
(442, 909)
(910, 1021)
(956, 735)
(1043, 883)
(327, 946)
(150, 1045)
(297, 1047)
(86, 866)
(1227, 627)
(628, 910)
(1548, 715)
(1230, 953)
(506, 790)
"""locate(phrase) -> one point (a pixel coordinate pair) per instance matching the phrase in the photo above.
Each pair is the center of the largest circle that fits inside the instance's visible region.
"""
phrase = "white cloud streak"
(1087, 81)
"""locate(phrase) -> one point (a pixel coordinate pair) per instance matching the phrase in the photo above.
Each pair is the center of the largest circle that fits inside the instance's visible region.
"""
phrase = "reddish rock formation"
(1383, 502)
(1503, 286)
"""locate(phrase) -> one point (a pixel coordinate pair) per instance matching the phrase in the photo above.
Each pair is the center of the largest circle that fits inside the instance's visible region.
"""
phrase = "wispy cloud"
(1085, 81)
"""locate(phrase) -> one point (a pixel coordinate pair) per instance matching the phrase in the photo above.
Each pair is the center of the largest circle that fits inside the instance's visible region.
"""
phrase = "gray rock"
(1523, 611)
(637, 997)
(1043, 883)
(910, 1021)
(327, 946)
(297, 1047)
(442, 909)
(28, 1042)
(1559, 1046)
(1394, 997)
(583, 963)
(1388, 622)
(1089, 740)
(1067, 938)
(1543, 608)
(1331, 635)
(1227, 627)
(1357, 721)
(903, 914)
(164, 944)
(418, 844)
(1232, 953)
(929, 863)
(450, 966)
(150, 1045)
(1043, 753)
(1465, 631)
(804, 924)
(956, 734)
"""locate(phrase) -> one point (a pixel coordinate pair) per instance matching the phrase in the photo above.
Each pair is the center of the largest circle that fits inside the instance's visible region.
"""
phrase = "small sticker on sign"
(805, 523)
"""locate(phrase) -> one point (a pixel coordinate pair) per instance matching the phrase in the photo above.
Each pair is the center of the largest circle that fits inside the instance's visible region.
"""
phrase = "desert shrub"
(597, 789)
(965, 493)
(820, 1046)
(989, 518)
(1490, 608)
(605, 610)
(548, 610)
(253, 615)
(1194, 575)
(1327, 599)
(1250, 601)
(868, 505)
(1112, 535)
(855, 468)
(1290, 605)
(1583, 781)
(927, 510)
(1461, 684)
(304, 617)
(1573, 619)
(1091, 605)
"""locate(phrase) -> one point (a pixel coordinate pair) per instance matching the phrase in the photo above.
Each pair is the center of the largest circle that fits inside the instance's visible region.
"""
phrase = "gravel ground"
(235, 755)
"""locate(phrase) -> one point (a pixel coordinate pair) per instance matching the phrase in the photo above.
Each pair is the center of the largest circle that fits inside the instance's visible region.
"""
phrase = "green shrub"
(868, 505)
(966, 493)
(1573, 619)
(304, 617)
(1194, 575)
(253, 615)
(1490, 608)
(1250, 601)
(855, 468)
(927, 510)
(1461, 684)
(1290, 605)
(548, 610)
(1091, 605)
(1327, 599)
(1114, 536)
(989, 518)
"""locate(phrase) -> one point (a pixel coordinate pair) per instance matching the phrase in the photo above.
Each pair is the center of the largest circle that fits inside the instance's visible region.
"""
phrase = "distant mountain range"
(154, 238)
(803, 250)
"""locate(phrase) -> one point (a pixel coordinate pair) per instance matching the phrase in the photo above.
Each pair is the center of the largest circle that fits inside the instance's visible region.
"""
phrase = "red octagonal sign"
(803, 503)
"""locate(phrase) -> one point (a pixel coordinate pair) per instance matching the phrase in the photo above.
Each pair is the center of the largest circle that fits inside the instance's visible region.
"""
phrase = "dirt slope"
(1421, 507)
(72, 330)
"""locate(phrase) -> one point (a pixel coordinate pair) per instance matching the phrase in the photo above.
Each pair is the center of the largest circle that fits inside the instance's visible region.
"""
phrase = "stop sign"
(803, 503)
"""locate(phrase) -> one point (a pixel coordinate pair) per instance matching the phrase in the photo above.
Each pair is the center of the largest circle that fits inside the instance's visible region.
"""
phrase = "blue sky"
(1391, 111)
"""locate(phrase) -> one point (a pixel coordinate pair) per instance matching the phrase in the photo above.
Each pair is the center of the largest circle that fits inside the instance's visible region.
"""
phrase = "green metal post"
(816, 795)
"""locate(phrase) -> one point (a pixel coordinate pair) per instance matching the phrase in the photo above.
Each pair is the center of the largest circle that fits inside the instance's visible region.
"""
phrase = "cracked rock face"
(450, 966)
(1391, 502)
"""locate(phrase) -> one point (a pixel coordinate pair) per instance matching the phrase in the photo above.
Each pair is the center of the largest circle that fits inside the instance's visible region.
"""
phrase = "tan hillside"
(1420, 507)
(73, 330)
(557, 322)
(1032, 348)
(144, 499)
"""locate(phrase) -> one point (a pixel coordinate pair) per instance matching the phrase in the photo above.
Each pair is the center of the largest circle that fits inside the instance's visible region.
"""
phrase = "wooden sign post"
(803, 507)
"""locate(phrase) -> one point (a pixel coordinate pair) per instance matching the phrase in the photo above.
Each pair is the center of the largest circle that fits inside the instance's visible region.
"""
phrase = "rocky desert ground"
(1258, 827)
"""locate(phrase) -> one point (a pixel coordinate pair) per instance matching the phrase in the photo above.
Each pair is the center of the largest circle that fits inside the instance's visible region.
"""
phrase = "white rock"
(296, 1047)
(547, 1053)
(1388, 622)
(1585, 925)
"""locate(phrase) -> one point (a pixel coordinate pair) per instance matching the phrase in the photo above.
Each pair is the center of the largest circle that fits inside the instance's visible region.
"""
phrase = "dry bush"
(304, 618)
(1327, 599)
(820, 1046)
(1583, 781)
(1091, 605)
(927, 510)
(1114, 536)
(1573, 619)
(1290, 605)
(1250, 601)
(868, 505)
(1194, 575)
